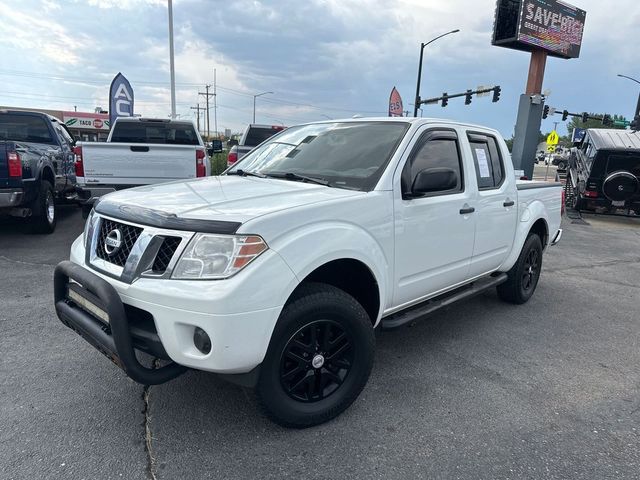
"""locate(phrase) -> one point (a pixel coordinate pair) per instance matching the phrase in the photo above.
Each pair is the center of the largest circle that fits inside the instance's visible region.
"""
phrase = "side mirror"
(432, 180)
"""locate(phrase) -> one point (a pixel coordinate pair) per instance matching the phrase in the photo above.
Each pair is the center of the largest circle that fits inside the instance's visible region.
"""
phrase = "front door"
(433, 233)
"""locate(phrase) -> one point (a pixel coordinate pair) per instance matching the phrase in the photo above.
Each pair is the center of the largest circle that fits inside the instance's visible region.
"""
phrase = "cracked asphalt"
(550, 389)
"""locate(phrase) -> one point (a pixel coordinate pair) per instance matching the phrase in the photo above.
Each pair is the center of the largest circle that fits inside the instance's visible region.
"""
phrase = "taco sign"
(89, 121)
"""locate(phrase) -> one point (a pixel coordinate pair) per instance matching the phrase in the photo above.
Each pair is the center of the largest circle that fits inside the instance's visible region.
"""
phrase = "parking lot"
(483, 389)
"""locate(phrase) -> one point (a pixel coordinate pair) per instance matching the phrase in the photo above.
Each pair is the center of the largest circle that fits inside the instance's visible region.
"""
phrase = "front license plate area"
(87, 301)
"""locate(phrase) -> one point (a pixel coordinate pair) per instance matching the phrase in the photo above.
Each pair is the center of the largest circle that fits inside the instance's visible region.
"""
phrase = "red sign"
(395, 104)
(97, 123)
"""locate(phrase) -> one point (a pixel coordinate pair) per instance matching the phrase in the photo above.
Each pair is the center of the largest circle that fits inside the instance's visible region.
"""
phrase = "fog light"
(201, 340)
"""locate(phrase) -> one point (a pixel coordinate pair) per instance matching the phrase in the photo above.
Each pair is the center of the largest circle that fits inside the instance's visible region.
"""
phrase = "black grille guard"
(117, 346)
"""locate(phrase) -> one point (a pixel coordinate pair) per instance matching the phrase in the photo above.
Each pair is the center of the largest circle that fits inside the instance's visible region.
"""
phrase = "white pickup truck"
(276, 273)
(139, 151)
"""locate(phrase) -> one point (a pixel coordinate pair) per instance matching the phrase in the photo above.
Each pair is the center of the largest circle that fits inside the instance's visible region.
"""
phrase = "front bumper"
(238, 314)
(11, 197)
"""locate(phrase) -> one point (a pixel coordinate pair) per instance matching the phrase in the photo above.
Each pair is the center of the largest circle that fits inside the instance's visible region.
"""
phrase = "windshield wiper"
(244, 173)
(299, 178)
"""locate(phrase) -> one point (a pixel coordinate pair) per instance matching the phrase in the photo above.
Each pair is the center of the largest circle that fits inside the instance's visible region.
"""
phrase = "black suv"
(36, 166)
(604, 172)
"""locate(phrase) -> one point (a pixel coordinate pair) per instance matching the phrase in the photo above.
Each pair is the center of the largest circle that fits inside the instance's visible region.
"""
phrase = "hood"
(220, 198)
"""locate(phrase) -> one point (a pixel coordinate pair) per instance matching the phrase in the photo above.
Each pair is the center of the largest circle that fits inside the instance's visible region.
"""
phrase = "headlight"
(217, 256)
(88, 227)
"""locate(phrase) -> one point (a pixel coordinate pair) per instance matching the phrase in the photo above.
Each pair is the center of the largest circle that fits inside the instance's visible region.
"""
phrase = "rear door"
(496, 204)
(434, 233)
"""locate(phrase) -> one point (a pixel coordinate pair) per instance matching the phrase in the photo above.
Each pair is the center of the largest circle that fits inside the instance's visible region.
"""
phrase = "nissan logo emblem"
(113, 242)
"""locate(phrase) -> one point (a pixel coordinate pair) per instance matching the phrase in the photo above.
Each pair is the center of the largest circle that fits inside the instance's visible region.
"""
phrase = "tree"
(576, 122)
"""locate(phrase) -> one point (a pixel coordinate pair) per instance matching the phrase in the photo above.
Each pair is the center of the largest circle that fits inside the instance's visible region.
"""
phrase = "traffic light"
(496, 94)
(606, 120)
(565, 115)
(545, 112)
(585, 117)
(467, 97)
(445, 99)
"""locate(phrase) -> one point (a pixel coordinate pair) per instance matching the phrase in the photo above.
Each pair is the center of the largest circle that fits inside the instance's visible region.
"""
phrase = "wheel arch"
(351, 276)
(47, 174)
(533, 220)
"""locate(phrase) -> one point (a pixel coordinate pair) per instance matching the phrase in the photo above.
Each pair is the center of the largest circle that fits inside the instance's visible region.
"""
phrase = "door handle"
(138, 148)
(509, 203)
(465, 211)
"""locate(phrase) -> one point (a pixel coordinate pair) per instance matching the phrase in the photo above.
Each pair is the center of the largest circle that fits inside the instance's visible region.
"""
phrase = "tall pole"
(422, 45)
(254, 103)
(215, 105)
(638, 104)
(197, 108)
(207, 95)
(171, 64)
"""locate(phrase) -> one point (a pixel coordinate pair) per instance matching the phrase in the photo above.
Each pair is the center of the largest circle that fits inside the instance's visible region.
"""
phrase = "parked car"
(253, 136)
(215, 146)
(276, 273)
(139, 151)
(36, 167)
(604, 172)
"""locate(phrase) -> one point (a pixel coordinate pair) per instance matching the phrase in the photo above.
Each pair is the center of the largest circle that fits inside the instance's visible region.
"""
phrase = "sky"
(320, 58)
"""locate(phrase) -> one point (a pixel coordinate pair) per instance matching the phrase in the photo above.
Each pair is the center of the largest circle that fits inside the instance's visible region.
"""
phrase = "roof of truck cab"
(412, 120)
(614, 139)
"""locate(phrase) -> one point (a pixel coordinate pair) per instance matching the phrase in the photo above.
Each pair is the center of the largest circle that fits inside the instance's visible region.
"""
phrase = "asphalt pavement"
(482, 390)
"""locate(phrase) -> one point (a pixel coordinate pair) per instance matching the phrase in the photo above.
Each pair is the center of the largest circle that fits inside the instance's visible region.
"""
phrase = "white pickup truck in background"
(253, 136)
(276, 273)
(139, 151)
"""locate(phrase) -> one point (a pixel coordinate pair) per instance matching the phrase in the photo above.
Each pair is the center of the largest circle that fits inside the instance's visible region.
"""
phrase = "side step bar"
(417, 312)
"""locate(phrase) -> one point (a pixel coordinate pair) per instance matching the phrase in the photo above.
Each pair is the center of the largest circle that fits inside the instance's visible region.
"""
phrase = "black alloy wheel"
(531, 270)
(319, 358)
(316, 361)
(523, 277)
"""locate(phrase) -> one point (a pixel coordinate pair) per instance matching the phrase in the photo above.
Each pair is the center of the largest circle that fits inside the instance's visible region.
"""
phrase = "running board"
(417, 312)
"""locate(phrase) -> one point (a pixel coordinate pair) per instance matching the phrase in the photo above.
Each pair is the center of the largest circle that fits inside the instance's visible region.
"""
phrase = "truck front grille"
(165, 254)
(128, 236)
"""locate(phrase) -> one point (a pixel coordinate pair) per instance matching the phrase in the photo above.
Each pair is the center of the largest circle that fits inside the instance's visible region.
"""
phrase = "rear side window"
(155, 132)
(487, 160)
(257, 135)
(24, 128)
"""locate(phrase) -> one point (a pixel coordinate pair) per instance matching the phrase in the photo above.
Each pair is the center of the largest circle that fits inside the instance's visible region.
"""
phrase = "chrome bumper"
(557, 237)
(11, 198)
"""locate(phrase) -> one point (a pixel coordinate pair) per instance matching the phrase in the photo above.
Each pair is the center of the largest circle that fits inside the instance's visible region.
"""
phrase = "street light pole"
(171, 64)
(254, 104)
(638, 104)
(422, 45)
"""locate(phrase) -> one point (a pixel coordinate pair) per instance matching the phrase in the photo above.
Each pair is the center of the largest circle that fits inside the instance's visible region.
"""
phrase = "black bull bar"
(113, 339)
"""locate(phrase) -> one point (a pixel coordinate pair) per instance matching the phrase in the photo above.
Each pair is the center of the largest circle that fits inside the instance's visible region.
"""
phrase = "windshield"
(349, 155)
(24, 128)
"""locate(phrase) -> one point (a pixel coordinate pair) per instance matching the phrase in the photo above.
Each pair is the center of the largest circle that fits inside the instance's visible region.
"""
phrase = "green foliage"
(218, 163)
(576, 122)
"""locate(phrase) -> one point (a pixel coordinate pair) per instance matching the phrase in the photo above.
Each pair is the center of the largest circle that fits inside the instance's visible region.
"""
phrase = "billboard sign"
(120, 98)
(550, 25)
(395, 103)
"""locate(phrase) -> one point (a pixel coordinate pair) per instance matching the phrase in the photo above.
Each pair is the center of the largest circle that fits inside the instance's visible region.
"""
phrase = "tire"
(523, 277)
(305, 379)
(44, 218)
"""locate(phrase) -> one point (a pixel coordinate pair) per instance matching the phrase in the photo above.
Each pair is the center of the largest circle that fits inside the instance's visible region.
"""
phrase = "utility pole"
(215, 105)
(197, 107)
(207, 95)
(171, 63)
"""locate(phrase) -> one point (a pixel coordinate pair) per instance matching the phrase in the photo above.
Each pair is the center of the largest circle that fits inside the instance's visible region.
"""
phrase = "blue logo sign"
(578, 135)
(120, 98)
